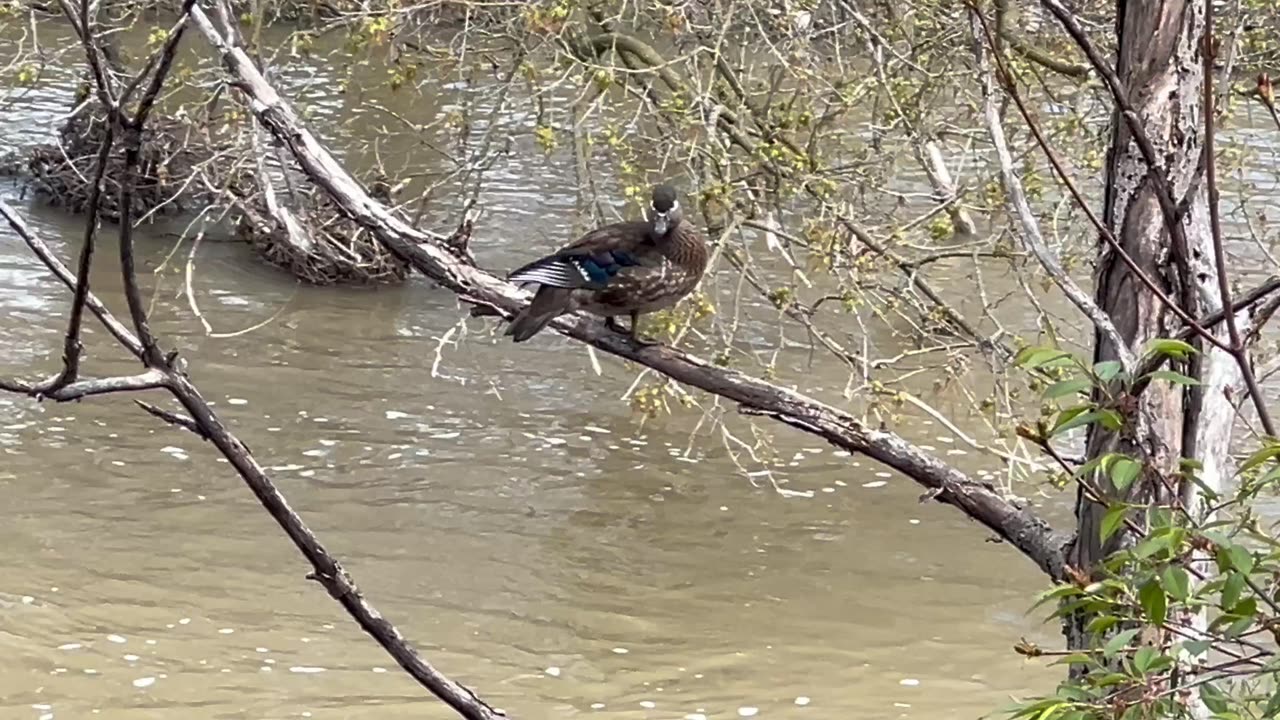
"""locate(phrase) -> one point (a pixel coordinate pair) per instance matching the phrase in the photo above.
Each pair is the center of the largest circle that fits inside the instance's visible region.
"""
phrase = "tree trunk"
(1160, 71)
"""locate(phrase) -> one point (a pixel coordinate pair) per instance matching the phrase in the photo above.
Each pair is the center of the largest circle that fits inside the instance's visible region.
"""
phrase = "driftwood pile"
(182, 171)
(330, 250)
(59, 173)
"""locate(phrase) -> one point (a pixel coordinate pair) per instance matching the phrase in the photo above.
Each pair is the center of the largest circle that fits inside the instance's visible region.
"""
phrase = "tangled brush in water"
(181, 171)
(335, 250)
(172, 153)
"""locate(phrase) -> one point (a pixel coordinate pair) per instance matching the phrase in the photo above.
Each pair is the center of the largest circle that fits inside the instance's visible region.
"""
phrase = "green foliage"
(1171, 563)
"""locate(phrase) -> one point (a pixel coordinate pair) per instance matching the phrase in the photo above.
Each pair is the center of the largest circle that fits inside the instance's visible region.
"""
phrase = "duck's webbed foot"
(611, 322)
(635, 334)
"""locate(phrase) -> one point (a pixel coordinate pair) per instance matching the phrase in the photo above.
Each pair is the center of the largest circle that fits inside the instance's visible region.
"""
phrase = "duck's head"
(664, 211)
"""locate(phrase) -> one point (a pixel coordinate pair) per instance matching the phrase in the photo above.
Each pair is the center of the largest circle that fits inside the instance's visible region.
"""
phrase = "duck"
(626, 268)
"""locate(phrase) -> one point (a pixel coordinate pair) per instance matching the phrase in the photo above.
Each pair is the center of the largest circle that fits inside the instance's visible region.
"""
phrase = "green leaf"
(1067, 387)
(1101, 624)
(1176, 582)
(1240, 626)
(1209, 493)
(1197, 648)
(1117, 643)
(1074, 659)
(1143, 659)
(1055, 593)
(1241, 559)
(1113, 520)
(1172, 348)
(1152, 545)
(1123, 472)
(1231, 590)
(1259, 457)
(1271, 476)
(1107, 370)
(1213, 698)
(1036, 357)
(1110, 419)
(1173, 377)
(1052, 710)
(1154, 602)
(1247, 608)
(1077, 420)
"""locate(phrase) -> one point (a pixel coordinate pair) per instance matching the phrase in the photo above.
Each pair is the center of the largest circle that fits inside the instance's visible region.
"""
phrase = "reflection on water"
(500, 505)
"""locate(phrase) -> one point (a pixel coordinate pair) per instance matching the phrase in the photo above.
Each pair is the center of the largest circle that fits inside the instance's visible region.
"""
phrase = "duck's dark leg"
(635, 335)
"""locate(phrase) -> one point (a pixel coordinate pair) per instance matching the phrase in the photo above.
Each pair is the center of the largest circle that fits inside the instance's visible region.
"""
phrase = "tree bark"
(1160, 72)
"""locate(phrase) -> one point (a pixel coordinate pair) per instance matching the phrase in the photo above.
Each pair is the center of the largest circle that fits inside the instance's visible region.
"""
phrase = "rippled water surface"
(506, 511)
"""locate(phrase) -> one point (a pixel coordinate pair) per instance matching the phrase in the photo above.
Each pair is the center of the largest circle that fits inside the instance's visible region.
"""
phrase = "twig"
(149, 380)
(132, 293)
(174, 418)
(1237, 349)
(1266, 95)
(1018, 205)
(72, 348)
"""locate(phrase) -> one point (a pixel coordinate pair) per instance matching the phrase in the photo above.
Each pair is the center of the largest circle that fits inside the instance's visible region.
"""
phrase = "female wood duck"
(626, 268)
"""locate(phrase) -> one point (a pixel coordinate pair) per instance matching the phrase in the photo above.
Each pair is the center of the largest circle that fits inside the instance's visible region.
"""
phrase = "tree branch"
(51, 261)
(1018, 525)
(1043, 59)
(72, 348)
(1238, 349)
(1021, 209)
(148, 380)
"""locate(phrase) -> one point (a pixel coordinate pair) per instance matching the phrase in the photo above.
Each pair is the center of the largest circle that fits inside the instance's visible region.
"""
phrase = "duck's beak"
(660, 224)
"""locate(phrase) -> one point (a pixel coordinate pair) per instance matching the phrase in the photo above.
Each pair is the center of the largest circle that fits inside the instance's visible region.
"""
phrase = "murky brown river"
(509, 514)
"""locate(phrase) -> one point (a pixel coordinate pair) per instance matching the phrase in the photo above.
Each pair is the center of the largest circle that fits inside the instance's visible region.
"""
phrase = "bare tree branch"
(1021, 209)
(1018, 525)
(1238, 348)
(148, 380)
(121, 333)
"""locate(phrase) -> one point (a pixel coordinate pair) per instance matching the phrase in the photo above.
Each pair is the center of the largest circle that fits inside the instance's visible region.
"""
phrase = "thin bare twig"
(72, 348)
(149, 380)
(1021, 209)
(1237, 349)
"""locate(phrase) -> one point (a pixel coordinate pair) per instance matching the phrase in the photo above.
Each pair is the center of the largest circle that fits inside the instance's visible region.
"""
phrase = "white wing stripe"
(555, 274)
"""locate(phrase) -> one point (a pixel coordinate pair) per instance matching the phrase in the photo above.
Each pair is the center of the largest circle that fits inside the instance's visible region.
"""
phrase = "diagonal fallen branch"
(1018, 525)
(166, 371)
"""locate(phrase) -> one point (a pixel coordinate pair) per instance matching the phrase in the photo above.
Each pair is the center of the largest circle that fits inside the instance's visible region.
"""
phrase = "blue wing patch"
(596, 272)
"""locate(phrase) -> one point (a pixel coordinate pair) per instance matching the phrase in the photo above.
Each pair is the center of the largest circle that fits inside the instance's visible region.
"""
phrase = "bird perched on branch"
(626, 268)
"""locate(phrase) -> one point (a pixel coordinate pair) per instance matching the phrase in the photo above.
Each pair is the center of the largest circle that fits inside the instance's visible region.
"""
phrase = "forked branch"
(1018, 525)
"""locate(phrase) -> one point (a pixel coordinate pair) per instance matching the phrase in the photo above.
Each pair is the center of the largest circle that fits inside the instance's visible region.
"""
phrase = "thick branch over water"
(1017, 525)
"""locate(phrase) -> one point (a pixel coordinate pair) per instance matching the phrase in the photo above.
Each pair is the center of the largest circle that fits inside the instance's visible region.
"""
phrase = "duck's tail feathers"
(548, 303)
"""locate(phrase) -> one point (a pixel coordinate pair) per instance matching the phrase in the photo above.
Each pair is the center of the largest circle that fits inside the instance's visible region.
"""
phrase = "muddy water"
(503, 507)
